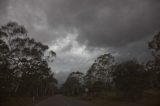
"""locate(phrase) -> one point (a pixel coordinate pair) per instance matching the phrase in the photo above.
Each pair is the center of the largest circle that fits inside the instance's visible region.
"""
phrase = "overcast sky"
(80, 30)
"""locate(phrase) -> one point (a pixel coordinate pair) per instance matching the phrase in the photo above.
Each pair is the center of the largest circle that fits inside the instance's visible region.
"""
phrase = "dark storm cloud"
(3, 10)
(81, 30)
(108, 23)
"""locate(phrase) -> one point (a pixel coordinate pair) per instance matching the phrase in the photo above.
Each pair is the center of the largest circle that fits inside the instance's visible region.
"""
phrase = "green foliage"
(23, 64)
(100, 71)
(97, 88)
(74, 84)
(130, 79)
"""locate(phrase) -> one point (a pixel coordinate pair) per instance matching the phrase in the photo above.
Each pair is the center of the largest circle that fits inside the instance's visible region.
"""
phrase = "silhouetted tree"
(97, 88)
(153, 66)
(130, 79)
(100, 71)
(74, 84)
(23, 61)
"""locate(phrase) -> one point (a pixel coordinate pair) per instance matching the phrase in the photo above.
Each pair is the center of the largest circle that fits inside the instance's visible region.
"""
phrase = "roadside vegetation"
(119, 83)
(26, 78)
(24, 70)
(21, 101)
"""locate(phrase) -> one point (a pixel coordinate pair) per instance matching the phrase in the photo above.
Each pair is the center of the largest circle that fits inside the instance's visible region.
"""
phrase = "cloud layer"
(107, 22)
(80, 30)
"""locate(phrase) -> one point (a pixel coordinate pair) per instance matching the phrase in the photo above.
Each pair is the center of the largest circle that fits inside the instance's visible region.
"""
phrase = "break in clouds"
(80, 30)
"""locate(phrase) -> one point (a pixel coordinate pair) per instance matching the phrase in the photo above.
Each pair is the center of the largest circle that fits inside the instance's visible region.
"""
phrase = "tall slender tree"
(100, 71)
(130, 79)
(24, 59)
(74, 84)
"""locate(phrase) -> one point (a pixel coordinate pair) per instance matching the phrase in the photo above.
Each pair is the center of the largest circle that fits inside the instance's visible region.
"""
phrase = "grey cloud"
(122, 27)
(136, 50)
(108, 22)
(103, 23)
(3, 10)
(3, 6)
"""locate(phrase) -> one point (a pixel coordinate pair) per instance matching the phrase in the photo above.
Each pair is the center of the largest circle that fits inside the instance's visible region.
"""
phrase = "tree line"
(24, 69)
(129, 79)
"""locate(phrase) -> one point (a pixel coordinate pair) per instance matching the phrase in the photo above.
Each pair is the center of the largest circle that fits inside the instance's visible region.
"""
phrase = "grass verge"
(151, 98)
(20, 101)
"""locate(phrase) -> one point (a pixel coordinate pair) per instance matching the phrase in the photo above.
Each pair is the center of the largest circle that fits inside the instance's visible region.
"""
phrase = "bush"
(130, 79)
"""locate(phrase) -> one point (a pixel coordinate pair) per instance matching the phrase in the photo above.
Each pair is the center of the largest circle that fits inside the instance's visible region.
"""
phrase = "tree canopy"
(23, 61)
(73, 84)
(130, 78)
(100, 70)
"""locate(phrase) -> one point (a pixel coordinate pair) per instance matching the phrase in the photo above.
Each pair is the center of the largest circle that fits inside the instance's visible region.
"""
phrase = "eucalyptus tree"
(100, 71)
(153, 66)
(26, 58)
(74, 84)
(130, 79)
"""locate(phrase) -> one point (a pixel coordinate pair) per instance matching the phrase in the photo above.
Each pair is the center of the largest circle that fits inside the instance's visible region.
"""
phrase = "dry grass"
(151, 98)
(20, 101)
